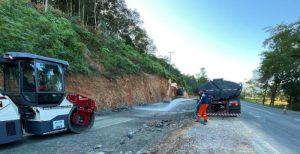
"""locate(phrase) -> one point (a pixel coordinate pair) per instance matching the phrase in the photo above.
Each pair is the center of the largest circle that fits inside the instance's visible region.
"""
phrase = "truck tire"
(75, 128)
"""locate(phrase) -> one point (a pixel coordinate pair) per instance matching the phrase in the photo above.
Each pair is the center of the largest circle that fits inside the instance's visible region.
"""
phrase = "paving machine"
(224, 97)
(33, 99)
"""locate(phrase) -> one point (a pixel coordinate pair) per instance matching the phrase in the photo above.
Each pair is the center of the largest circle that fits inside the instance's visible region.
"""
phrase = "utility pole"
(170, 59)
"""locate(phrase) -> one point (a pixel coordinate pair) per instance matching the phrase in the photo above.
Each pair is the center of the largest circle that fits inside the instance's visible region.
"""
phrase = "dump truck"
(33, 98)
(224, 97)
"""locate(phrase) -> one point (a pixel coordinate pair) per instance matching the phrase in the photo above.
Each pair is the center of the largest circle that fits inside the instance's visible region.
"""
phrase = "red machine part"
(1, 97)
(85, 108)
(234, 103)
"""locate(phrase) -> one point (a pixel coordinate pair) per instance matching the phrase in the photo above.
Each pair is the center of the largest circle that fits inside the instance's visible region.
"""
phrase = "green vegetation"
(85, 33)
(278, 76)
(277, 104)
(23, 28)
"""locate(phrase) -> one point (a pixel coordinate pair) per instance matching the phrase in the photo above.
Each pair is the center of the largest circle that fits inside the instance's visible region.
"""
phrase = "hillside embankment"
(121, 91)
(116, 72)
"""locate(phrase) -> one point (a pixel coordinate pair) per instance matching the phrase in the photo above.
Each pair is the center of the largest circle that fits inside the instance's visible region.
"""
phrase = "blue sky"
(224, 36)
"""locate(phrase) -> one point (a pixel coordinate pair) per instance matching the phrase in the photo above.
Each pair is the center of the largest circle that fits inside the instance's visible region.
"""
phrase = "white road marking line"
(261, 110)
(258, 140)
(297, 120)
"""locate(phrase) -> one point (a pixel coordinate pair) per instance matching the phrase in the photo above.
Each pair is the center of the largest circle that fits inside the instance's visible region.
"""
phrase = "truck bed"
(223, 97)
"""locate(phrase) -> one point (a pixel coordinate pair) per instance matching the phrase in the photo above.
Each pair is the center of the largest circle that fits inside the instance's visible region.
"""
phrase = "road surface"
(259, 129)
(281, 132)
(129, 131)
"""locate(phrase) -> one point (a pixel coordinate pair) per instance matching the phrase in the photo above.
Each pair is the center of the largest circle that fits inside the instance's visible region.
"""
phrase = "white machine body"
(10, 124)
(49, 120)
(34, 98)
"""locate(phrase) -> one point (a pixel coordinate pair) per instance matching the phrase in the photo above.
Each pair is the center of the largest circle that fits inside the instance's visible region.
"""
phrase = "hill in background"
(120, 47)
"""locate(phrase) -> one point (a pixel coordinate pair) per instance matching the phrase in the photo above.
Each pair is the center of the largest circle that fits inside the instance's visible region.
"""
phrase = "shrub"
(24, 28)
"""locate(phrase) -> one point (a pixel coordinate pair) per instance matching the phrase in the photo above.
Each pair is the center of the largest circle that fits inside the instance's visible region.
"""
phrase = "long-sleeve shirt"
(204, 99)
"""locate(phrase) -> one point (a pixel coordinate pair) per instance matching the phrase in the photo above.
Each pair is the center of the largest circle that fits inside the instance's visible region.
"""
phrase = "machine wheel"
(76, 128)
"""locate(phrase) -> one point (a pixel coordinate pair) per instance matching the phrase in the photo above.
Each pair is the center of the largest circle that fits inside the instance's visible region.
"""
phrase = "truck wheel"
(77, 127)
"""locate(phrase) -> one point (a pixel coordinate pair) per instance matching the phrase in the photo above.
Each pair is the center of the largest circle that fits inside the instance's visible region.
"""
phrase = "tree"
(202, 77)
(190, 83)
(109, 16)
(259, 85)
(280, 66)
(272, 70)
(291, 86)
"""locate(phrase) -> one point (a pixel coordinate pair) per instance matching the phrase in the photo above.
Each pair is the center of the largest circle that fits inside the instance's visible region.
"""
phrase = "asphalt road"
(110, 132)
(277, 132)
(259, 129)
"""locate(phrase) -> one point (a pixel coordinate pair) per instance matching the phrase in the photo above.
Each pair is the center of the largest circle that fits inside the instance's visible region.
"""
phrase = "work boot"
(205, 120)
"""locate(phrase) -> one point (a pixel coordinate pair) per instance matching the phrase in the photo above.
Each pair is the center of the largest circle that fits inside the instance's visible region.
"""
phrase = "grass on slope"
(25, 28)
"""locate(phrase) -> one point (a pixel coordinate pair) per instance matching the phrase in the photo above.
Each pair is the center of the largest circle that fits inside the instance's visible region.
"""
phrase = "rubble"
(130, 135)
(98, 146)
(136, 136)
(122, 141)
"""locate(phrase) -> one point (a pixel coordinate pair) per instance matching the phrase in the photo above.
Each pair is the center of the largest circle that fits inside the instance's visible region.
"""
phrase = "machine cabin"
(33, 80)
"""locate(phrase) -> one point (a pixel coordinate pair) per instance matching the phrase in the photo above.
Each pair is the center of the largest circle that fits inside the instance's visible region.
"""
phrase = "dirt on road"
(220, 135)
(157, 128)
(141, 134)
(127, 131)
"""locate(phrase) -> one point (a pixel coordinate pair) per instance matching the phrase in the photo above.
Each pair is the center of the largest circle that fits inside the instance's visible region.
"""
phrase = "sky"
(223, 36)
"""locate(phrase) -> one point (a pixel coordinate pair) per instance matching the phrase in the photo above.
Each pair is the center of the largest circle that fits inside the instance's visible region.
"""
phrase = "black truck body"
(224, 97)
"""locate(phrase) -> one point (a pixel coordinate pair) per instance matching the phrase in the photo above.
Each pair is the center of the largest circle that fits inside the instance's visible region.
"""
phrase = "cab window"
(49, 77)
(11, 78)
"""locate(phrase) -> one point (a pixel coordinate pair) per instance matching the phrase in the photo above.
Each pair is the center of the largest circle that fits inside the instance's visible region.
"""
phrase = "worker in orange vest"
(203, 106)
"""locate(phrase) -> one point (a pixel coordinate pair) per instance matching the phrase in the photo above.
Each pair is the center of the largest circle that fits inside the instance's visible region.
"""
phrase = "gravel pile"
(220, 135)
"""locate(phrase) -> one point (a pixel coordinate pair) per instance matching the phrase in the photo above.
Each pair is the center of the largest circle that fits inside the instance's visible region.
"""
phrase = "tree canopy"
(108, 16)
(96, 37)
(280, 65)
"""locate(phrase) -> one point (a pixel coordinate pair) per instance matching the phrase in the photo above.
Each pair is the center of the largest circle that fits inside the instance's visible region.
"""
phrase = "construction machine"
(224, 97)
(33, 99)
